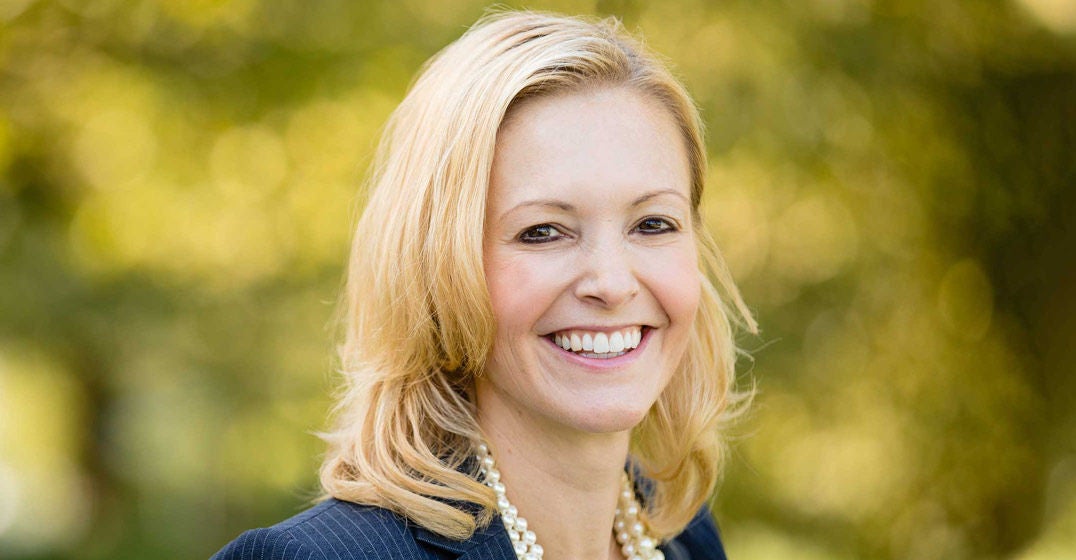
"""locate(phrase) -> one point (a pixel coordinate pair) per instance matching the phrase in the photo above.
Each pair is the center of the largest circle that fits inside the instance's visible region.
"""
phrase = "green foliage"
(891, 182)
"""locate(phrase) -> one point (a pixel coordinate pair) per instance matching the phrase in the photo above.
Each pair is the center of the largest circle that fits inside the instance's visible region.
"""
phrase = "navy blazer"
(338, 530)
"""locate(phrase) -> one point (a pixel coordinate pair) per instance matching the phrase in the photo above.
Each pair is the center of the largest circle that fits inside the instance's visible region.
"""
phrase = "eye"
(654, 225)
(542, 233)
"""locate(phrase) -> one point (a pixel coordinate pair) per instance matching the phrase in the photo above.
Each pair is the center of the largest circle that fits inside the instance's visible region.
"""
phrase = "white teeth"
(601, 343)
(616, 342)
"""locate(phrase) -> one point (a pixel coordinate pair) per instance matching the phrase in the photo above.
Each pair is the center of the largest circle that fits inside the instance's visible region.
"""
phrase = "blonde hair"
(416, 315)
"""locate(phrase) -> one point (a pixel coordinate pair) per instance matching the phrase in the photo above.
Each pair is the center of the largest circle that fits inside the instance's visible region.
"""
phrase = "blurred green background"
(892, 181)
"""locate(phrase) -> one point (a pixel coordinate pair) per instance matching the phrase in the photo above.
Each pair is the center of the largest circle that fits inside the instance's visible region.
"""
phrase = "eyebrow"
(657, 193)
(564, 206)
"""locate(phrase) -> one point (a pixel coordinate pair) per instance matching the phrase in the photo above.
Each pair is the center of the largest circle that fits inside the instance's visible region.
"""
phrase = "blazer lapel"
(491, 543)
(674, 551)
(487, 543)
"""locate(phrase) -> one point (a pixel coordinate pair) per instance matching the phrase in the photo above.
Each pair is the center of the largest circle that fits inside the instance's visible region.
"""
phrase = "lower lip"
(603, 364)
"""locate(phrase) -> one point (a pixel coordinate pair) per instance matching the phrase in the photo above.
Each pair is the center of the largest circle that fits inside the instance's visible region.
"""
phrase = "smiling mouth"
(597, 344)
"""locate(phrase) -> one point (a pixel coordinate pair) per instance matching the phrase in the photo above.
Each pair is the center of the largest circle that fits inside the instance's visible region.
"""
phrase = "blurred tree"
(891, 182)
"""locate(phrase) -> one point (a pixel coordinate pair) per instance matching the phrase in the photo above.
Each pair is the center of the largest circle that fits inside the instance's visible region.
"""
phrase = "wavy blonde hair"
(416, 317)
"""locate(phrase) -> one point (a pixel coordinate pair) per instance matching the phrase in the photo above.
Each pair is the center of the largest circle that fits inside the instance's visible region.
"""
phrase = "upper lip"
(598, 328)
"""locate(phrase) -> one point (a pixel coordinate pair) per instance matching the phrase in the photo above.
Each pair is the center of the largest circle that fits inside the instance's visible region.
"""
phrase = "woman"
(537, 354)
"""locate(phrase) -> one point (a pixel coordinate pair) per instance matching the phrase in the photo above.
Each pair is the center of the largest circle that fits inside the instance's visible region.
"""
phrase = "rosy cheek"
(676, 283)
(519, 289)
(684, 299)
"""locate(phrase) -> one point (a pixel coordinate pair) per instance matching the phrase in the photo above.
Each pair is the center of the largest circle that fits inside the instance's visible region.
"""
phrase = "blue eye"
(542, 233)
(654, 225)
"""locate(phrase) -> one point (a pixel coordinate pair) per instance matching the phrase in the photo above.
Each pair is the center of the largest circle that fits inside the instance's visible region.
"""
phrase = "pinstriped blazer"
(338, 530)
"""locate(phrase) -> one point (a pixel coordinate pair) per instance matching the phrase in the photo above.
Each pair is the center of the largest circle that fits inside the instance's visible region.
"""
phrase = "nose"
(607, 275)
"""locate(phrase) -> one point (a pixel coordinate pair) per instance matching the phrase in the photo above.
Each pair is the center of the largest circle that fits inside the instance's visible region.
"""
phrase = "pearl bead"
(537, 549)
(628, 549)
(529, 537)
(521, 525)
(637, 529)
(521, 548)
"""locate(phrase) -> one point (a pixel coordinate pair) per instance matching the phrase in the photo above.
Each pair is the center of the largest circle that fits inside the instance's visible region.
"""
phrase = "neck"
(565, 483)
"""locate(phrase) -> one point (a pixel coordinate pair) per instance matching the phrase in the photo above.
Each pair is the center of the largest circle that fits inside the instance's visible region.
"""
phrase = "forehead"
(601, 141)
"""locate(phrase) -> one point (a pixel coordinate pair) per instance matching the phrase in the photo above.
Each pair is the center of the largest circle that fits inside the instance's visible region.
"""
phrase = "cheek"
(686, 302)
(679, 296)
(678, 287)
(520, 291)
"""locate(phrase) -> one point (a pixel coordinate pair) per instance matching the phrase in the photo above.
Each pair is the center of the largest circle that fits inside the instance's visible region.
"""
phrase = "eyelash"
(664, 225)
(524, 236)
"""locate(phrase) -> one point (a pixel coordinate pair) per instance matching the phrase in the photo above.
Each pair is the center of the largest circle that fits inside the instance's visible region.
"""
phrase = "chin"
(606, 421)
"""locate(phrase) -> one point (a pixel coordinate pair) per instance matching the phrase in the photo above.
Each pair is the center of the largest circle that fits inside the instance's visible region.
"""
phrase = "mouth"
(601, 345)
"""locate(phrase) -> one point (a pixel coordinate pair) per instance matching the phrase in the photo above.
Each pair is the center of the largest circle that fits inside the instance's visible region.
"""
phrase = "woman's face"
(589, 244)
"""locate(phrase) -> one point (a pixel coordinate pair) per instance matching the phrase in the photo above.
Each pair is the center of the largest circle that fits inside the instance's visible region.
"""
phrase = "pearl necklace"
(628, 527)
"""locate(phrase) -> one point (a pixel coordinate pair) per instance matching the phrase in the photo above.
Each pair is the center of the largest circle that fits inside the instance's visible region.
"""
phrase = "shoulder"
(698, 541)
(331, 530)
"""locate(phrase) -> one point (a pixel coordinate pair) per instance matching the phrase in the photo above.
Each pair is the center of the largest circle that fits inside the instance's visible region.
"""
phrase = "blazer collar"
(487, 543)
(491, 543)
